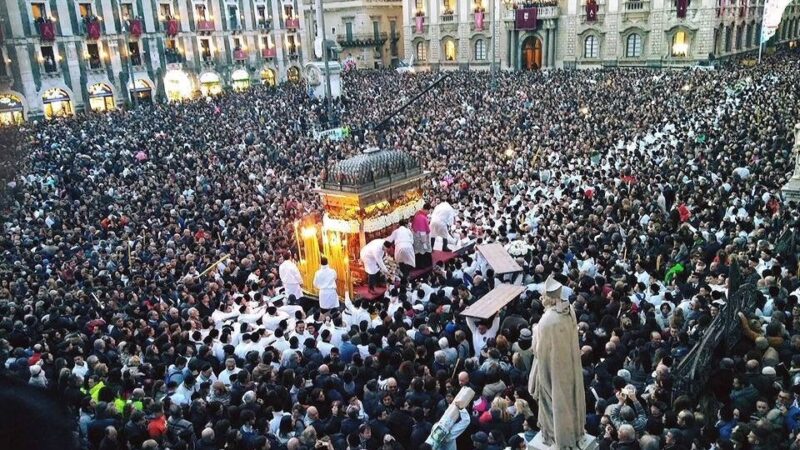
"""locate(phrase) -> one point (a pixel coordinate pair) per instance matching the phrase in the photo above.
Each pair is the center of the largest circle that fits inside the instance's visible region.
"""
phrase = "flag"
(773, 10)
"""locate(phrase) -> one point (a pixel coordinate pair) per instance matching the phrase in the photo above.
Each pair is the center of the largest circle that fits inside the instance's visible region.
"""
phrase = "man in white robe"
(325, 283)
(442, 218)
(290, 277)
(372, 257)
(403, 240)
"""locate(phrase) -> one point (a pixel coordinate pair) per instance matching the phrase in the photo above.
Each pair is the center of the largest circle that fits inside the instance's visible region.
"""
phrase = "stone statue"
(556, 379)
(791, 190)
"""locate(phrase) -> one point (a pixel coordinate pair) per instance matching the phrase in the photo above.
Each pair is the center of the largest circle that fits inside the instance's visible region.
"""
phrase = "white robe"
(442, 217)
(403, 240)
(291, 278)
(325, 282)
(372, 257)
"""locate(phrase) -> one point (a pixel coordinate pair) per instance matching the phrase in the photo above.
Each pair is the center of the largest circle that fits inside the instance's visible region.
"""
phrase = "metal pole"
(494, 42)
(321, 15)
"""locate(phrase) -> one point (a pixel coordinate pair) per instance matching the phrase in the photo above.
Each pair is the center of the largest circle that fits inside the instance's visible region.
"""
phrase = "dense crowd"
(636, 188)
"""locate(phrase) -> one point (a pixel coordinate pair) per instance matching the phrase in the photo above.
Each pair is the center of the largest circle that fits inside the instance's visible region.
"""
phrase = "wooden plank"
(499, 259)
(494, 301)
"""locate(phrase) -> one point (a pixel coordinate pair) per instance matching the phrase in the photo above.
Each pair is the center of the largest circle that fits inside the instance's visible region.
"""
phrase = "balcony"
(447, 17)
(172, 56)
(292, 23)
(239, 55)
(542, 13)
(265, 26)
(635, 6)
(269, 53)
(362, 40)
(205, 26)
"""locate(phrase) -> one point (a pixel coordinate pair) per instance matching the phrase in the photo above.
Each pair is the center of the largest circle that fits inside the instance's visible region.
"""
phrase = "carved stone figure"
(556, 379)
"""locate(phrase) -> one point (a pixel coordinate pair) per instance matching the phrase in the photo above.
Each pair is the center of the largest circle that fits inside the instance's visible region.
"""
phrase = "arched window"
(591, 47)
(633, 46)
(480, 50)
(422, 52)
(450, 53)
(680, 45)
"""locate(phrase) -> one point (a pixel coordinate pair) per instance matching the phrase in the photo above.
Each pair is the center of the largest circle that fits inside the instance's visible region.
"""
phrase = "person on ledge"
(421, 226)
(403, 241)
(372, 257)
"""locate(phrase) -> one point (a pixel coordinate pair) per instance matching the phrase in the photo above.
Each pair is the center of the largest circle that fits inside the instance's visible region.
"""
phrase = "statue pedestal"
(791, 190)
(588, 442)
(315, 78)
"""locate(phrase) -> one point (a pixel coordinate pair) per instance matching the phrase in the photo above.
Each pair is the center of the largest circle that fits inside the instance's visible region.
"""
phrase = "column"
(546, 48)
(551, 52)
(509, 46)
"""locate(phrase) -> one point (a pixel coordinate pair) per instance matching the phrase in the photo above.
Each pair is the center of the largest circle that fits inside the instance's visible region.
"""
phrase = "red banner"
(591, 11)
(205, 25)
(479, 20)
(239, 55)
(269, 52)
(93, 29)
(420, 23)
(136, 28)
(47, 31)
(683, 5)
(293, 24)
(172, 27)
(525, 19)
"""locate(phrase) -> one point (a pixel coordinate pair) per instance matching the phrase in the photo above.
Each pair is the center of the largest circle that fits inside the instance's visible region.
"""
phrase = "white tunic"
(403, 240)
(325, 282)
(372, 257)
(291, 278)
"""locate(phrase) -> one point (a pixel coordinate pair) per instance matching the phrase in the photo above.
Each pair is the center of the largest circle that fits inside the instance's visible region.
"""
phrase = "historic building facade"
(368, 32)
(458, 34)
(59, 57)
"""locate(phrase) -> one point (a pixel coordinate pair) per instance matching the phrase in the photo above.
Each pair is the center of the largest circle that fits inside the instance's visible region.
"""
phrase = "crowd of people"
(637, 189)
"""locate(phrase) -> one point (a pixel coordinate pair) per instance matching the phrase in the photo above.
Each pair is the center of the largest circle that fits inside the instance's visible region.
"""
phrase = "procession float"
(363, 197)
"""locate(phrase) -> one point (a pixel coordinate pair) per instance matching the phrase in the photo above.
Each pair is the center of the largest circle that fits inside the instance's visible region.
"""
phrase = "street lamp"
(508, 5)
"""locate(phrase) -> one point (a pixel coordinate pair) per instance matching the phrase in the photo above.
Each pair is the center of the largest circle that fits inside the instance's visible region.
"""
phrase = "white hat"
(552, 286)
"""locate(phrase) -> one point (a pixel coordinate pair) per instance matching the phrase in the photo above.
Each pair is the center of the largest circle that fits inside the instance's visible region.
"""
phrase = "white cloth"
(403, 240)
(372, 257)
(325, 282)
(442, 217)
(291, 278)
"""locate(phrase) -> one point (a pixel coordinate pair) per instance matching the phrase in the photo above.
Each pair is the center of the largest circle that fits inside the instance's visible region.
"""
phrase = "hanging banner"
(420, 20)
(525, 19)
(136, 28)
(773, 10)
(93, 29)
(479, 20)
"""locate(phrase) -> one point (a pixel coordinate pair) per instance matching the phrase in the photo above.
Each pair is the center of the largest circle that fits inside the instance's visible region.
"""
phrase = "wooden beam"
(494, 301)
(499, 259)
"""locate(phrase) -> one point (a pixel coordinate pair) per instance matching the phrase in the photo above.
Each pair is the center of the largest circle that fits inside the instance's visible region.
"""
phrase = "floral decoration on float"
(376, 223)
(518, 248)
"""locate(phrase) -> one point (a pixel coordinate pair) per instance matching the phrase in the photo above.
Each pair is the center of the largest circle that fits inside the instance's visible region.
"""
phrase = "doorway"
(532, 53)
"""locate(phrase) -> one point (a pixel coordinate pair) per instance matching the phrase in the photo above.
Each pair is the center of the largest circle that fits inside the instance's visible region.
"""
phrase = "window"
(348, 31)
(93, 51)
(376, 29)
(265, 42)
(127, 11)
(233, 17)
(38, 11)
(237, 43)
(49, 59)
(292, 45)
(450, 53)
(419, 5)
(85, 9)
(591, 47)
(633, 46)
(200, 12)
(422, 52)
(480, 50)
(133, 52)
(447, 7)
(205, 49)
(165, 10)
(680, 45)
(288, 11)
(261, 12)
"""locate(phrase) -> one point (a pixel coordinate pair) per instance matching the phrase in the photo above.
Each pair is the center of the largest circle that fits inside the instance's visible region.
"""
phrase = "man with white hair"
(450, 353)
